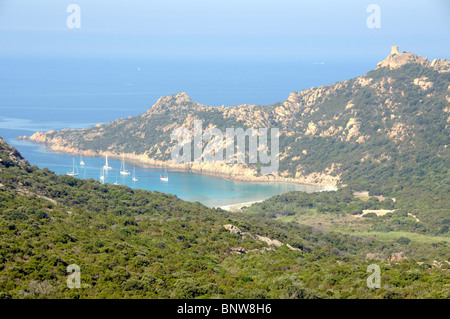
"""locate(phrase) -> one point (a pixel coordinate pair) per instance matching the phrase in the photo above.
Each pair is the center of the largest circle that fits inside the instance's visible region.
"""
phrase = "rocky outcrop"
(271, 242)
(238, 250)
(397, 256)
(440, 65)
(233, 229)
(176, 101)
(396, 60)
(13, 157)
(423, 83)
(311, 129)
(268, 241)
(352, 128)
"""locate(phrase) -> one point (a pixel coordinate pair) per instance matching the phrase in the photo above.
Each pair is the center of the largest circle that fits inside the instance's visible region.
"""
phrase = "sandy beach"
(238, 207)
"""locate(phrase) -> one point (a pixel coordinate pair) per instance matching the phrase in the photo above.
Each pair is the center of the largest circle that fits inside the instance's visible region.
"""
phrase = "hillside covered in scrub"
(140, 244)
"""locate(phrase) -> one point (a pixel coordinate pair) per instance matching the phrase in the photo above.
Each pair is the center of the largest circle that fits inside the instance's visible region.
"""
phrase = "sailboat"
(165, 177)
(123, 171)
(134, 175)
(116, 183)
(82, 163)
(74, 171)
(106, 166)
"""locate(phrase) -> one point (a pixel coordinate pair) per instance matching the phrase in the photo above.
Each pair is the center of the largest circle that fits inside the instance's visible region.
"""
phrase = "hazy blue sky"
(254, 29)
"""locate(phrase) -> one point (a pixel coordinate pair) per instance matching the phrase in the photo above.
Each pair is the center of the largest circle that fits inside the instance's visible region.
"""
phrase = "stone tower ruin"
(394, 49)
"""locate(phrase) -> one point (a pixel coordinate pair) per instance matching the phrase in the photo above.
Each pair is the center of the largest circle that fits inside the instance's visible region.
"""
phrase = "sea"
(52, 93)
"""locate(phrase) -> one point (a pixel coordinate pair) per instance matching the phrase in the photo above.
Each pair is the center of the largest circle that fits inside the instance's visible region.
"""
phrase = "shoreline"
(235, 172)
(238, 207)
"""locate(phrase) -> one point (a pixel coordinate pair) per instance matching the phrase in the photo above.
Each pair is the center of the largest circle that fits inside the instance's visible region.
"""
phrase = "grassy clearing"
(393, 236)
(329, 222)
(354, 226)
(286, 219)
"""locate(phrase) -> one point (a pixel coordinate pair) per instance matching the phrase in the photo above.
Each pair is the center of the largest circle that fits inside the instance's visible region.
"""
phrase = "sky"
(233, 29)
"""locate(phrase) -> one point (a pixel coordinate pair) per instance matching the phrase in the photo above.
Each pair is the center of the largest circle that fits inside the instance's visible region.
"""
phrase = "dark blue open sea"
(39, 94)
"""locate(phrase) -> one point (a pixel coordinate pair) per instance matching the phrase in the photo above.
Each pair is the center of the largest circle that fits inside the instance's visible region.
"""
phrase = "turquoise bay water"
(208, 190)
(39, 94)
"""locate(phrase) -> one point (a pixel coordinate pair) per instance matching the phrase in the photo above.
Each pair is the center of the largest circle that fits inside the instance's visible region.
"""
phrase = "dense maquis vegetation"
(139, 244)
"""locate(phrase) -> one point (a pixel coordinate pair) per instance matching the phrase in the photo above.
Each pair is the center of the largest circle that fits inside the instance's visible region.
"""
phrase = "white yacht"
(74, 171)
(123, 171)
(106, 166)
(134, 175)
(165, 177)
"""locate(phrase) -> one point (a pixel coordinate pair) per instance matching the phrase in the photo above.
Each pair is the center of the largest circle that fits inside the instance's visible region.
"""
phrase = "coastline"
(238, 207)
(234, 172)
